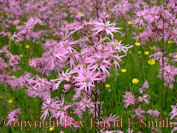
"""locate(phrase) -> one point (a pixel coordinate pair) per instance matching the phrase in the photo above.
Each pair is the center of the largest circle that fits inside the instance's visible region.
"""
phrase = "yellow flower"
(17, 26)
(137, 43)
(80, 13)
(10, 101)
(141, 28)
(9, 34)
(151, 62)
(21, 55)
(151, 48)
(24, 23)
(176, 55)
(146, 52)
(135, 81)
(90, 5)
(107, 86)
(109, 9)
(27, 46)
(130, 22)
(71, 112)
(16, 41)
(123, 70)
(170, 42)
(51, 128)
(139, 52)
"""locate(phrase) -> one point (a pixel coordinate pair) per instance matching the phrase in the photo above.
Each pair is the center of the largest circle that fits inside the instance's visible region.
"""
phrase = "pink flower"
(67, 87)
(173, 113)
(49, 105)
(85, 79)
(64, 76)
(138, 113)
(12, 116)
(61, 110)
(104, 26)
(144, 98)
(154, 113)
(129, 99)
(108, 121)
(38, 87)
(118, 46)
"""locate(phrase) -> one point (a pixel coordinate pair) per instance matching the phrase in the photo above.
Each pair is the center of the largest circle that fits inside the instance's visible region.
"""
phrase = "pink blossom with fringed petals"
(85, 79)
(104, 26)
(49, 106)
(12, 116)
(153, 113)
(144, 98)
(138, 113)
(129, 99)
(106, 122)
(61, 110)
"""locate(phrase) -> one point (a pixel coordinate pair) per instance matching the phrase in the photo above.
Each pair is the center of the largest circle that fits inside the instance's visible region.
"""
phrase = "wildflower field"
(88, 66)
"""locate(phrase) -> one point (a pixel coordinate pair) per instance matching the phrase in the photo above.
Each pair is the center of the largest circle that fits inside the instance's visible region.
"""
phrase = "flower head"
(129, 99)
(105, 26)
(135, 81)
(151, 61)
(12, 116)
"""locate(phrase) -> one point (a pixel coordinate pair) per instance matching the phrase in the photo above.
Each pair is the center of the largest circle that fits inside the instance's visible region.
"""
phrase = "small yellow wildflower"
(151, 48)
(9, 34)
(90, 5)
(71, 112)
(139, 52)
(170, 42)
(107, 86)
(27, 46)
(146, 52)
(130, 22)
(16, 41)
(84, 65)
(109, 9)
(151, 62)
(123, 70)
(137, 43)
(80, 13)
(24, 23)
(51, 128)
(141, 28)
(135, 81)
(21, 55)
(17, 26)
(10, 101)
